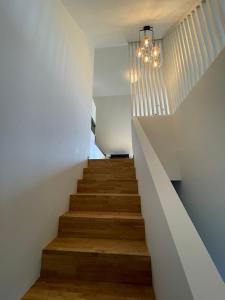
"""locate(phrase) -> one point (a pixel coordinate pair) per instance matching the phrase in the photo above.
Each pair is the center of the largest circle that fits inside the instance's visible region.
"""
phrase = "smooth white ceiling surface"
(115, 22)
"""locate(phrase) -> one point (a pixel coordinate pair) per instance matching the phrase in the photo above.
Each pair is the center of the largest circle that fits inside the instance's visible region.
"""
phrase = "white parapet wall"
(182, 267)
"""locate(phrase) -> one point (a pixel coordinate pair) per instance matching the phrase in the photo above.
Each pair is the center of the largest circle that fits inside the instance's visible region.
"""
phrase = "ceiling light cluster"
(148, 51)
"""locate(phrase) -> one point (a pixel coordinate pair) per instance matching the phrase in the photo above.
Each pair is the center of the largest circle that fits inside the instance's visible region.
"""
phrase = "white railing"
(182, 267)
(188, 50)
(191, 47)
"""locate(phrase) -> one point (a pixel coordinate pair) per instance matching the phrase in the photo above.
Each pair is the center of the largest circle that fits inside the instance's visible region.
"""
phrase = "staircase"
(100, 251)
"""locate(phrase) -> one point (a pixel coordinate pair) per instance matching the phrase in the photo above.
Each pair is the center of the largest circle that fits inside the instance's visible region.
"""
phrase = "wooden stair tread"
(117, 160)
(103, 215)
(113, 159)
(108, 168)
(81, 290)
(105, 181)
(103, 246)
(106, 194)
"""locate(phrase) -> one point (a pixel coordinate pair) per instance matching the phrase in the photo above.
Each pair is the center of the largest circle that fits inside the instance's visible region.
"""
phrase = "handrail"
(199, 270)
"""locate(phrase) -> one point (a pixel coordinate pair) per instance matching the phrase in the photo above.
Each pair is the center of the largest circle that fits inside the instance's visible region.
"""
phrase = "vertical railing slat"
(213, 26)
(208, 38)
(188, 51)
(197, 67)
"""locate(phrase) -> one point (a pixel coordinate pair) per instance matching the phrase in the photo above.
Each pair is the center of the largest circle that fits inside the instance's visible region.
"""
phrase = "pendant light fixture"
(148, 51)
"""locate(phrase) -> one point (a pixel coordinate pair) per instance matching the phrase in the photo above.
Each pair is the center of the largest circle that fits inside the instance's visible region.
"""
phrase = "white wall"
(113, 124)
(159, 130)
(95, 152)
(181, 265)
(45, 113)
(111, 95)
(165, 263)
(200, 125)
(93, 110)
(111, 71)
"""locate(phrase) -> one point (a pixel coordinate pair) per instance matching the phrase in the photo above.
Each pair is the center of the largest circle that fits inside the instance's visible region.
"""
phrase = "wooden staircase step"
(105, 246)
(70, 258)
(105, 202)
(107, 186)
(109, 225)
(109, 173)
(100, 252)
(110, 163)
(81, 290)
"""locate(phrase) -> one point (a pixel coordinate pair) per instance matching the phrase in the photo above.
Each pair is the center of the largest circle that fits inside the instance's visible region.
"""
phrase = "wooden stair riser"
(102, 228)
(108, 173)
(91, 290)
(113, 203)
(107, 163)
(108, 186)
(96, 267)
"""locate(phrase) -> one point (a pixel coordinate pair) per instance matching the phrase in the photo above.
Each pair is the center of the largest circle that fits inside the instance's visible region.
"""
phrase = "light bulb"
(146, 41)
(146, 59)
(155, 63)
(139, 52)
(155, 52)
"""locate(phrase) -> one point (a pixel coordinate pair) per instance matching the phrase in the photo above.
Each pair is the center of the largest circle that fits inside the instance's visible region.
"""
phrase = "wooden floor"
(100, 252)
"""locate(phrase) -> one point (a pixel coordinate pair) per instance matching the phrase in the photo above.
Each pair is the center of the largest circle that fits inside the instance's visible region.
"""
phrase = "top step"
(108, 163)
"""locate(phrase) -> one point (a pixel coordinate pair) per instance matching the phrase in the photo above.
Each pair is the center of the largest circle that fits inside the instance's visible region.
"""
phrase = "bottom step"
(80, 290)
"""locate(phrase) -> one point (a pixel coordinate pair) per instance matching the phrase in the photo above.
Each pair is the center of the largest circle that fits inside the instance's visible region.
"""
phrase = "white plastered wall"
(159, 130)
(113, 124)
(197, 131)
(200, 130)
(46, 67)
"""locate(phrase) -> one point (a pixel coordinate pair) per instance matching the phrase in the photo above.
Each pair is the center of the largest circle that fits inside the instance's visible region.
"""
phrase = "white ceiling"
(115, 22)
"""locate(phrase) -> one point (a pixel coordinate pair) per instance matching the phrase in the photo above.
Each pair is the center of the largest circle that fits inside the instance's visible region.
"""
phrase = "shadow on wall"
(177, 184)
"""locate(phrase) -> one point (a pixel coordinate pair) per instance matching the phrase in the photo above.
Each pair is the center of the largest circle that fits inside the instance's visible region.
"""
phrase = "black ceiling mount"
(146, 28)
